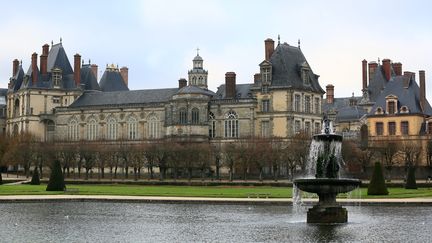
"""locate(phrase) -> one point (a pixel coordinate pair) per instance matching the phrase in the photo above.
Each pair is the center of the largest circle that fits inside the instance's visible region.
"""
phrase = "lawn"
(197, 191)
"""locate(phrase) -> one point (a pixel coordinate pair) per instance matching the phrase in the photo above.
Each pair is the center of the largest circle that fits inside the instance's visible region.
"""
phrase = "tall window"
(231, 125)
(92, 129)
(266, 75)
(404, 127)
(265, 129)
(429, 128)
(183, 116)
(379, 127)
(56, 77)
(297, 126)
(132, 128)
(297, 103)
(317, 106)
(73, 132)
(153, 127)
(307, 104)
(195, 116)
(317, 128)
(391, 107)
(392, 128)
(112, 129)
(308, 128)
(265, 105)
(212, 125)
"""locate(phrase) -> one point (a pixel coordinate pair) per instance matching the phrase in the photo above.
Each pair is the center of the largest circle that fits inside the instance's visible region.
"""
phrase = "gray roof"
(344, 112)
(88, 79)
(17, 79)
(192, 89)
(57, 58)
(123, 98)
(376, 84)
(408, 93)
(197, 58)
(243, 91)
(287, 62)
(112, 81)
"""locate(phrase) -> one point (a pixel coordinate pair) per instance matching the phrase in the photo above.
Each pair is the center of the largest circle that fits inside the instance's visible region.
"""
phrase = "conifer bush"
(56, 181)
(411, 180)
(377, 184)
(35, 178)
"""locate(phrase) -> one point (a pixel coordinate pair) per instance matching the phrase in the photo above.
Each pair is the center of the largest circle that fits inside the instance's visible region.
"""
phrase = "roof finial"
(298, 43)
(89, 61)
(60, 40)
(197, 51)
(52, 43)
(278, 39)
(378, 60)
(82, 62)
(21, 62)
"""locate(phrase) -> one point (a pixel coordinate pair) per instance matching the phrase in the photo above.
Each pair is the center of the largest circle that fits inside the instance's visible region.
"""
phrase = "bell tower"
(198, 76)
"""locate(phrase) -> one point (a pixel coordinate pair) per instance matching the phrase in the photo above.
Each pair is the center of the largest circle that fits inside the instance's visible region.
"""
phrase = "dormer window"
(305, 69)
(379, 111)
(404, 109)
(56, 77)
(391, 103)
(264, 89)
(391, 107)
(266, 72)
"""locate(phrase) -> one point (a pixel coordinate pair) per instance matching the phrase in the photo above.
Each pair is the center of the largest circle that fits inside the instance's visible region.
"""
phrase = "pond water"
(148, 222)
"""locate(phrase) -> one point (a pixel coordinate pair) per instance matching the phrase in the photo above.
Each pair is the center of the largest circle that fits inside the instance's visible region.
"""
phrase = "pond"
(149, 222)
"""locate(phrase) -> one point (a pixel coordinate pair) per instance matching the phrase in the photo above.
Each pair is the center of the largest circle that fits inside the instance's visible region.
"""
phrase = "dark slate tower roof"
(88, 79)
(376, 84)
(243, 91)
(57, 58)
(17, 79)
(287, 62)
(112, 80)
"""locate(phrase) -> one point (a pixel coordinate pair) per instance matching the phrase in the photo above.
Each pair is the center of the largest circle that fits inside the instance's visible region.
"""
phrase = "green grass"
(196, 191)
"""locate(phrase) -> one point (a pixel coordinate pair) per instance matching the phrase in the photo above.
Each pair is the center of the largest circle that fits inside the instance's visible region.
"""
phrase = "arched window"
(153, 127)
(212, 125)
(200, 80)
(92, 129)
(231, 125)
(112, 128)
(73, 132)
(50, 129)
(195, 116)
(132, 127)
(194, 81)
(183, 116)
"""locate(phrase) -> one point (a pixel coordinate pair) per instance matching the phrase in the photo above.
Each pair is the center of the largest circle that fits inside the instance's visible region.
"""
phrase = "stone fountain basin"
(327, 185)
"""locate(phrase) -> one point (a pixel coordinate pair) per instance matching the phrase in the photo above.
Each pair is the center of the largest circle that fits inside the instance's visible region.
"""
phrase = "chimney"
(386, 68)
(34, 68)
(364, 74)
(94, 69)
(182, 83)
(372, 68)
(397, 68)
(330, 94)
(44, 59)
(230, 85)
(422, 90)
(124, 72)
(15, 64)
(77, 69)
(257, 77)
(269, 48)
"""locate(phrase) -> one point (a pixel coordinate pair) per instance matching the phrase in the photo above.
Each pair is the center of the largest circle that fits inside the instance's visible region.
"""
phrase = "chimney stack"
(124, 72)
(269, 48)
(44, 59)
(397, 68)
(77, 69)
(34, 68)
(386, 68)
(364, 74)
(94, 69)
(230, 85)
(330, 94)
(422, 90)
(15, 65)
(257, 77)
(182, 83)
(372, 68)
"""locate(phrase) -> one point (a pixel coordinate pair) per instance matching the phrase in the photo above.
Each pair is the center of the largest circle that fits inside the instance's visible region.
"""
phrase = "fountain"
(325, 160)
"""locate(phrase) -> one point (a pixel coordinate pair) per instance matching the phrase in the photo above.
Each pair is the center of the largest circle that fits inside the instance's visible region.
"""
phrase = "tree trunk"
(135, 174)
(126, 172)
(260, 174)
(189, 174)
(115, 172)
(230, 173)
(87, 173)
(40, 169)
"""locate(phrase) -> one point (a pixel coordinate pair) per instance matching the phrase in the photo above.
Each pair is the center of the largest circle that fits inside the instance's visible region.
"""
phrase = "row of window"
(307, 104)
(307, 127)
(231, 125)
(404, 128)
(183, 116)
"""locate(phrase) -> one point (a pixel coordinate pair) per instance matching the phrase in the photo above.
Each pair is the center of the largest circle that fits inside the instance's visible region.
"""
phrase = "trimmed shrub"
(35, 178)
(411, 180)
(377, 184)
(1, 179)
(56, 181)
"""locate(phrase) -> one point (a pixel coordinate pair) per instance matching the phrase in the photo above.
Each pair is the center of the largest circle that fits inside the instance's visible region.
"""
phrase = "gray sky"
(157, 39)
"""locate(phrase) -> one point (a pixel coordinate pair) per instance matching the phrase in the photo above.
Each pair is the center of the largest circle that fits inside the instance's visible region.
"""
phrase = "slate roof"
(88, 79)
(192, 89)
(3, 94)
(123, 98)
(377, 83)
(243, 91)
(112, 81)
(408, 93)
(17, 79)
(286, 63)
(344, 112)
(57, 58)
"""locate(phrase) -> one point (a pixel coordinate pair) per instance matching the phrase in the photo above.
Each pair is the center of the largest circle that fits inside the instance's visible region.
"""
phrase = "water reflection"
(138, 222)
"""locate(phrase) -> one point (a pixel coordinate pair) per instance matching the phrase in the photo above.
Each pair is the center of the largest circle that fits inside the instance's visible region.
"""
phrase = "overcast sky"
(157, 39)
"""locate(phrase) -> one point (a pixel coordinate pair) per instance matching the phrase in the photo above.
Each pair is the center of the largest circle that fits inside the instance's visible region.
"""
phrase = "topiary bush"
(56, 181)
(377, 184)
(35, 178)
(411, 180)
